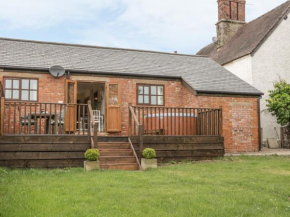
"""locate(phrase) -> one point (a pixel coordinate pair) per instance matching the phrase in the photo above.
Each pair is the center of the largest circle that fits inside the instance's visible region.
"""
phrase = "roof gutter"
(229, 93)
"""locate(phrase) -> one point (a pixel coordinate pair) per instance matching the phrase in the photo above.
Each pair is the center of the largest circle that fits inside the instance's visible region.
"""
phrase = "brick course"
(240, 114)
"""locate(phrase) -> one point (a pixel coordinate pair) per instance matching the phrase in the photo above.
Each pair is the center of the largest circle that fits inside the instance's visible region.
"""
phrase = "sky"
(161, 25)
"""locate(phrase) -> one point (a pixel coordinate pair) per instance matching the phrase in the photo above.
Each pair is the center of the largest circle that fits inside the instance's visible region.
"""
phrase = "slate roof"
(201, 73)
(248, 39)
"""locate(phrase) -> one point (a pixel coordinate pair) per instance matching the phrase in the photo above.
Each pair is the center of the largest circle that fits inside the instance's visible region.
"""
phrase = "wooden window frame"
(20, 89)
(150, 95)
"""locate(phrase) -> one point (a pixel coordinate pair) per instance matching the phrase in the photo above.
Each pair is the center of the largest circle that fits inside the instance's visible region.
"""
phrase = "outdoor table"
(47, 116)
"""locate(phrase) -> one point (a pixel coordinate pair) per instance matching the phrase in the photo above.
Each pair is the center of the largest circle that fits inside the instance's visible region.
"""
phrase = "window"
(150, 94)
(23, 89)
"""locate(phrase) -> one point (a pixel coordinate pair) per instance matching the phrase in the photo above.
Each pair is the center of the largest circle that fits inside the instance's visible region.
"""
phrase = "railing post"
(89, 119)
(2, 116)
(141, 132)
(130, 121)
(96, 135)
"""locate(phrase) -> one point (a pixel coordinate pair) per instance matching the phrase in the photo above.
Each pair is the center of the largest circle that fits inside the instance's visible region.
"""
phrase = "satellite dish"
(57, 71)
(215, 40)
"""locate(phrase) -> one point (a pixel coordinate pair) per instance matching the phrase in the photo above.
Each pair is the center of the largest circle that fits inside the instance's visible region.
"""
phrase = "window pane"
(146, 90)
(8, 94)
(153, 90)
(140, 89)
(15, 94)
(153, 100)
(8, 83)
(113, 94)
(16, 84)
(160, 90)
(33, 95)
(24, 95)
(146, 99)
(140, 98)
(33, 84)
(160, 100)
(25, 84)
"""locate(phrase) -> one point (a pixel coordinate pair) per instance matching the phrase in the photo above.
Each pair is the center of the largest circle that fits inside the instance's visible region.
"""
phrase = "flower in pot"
(92, 163)
(149, 161)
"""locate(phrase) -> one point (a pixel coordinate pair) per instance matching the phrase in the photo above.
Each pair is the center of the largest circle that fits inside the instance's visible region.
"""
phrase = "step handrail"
(91, 119)
(140, 129)
(134, 153)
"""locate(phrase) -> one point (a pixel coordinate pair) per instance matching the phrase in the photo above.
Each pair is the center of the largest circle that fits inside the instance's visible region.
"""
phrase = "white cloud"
(183, 25)
(40, 14)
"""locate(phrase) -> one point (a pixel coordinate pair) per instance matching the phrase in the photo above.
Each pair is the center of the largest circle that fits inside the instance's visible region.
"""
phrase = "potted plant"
(149, 161)
(92, 163)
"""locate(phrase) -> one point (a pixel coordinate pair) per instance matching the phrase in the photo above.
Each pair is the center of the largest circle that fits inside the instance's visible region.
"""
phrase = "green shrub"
(92, 154)
(149, 153)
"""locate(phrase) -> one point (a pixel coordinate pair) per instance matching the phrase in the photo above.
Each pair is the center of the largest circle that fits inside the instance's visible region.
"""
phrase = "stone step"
(123, 166)
(117, 159)
(113, 145)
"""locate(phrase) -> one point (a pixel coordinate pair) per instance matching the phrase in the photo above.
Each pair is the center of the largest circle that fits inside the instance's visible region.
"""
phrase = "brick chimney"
(232, 16)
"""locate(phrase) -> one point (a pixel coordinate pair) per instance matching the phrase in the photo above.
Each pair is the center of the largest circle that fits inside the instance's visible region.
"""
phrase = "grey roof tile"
(202, 73)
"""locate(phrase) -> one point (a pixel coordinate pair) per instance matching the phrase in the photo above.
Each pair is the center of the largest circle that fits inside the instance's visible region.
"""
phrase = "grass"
(243, 186)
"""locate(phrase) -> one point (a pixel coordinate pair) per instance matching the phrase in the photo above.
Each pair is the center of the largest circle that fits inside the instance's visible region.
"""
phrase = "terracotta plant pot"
(148, 163)
(91, 165)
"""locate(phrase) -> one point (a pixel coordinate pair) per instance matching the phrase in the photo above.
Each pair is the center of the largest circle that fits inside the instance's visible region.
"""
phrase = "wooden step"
(123, 166)
(117, 159)
(113, 145)
(115, 152)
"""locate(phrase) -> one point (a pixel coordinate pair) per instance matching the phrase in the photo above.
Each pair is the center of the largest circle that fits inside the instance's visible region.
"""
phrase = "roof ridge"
(100, 47)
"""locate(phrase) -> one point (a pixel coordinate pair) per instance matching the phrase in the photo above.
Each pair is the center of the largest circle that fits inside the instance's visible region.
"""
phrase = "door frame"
(105, 95)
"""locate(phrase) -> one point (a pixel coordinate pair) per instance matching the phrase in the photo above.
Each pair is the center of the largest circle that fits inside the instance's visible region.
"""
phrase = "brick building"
(113, 78)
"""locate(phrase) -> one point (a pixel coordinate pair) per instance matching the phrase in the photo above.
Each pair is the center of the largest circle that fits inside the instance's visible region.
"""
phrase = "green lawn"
(244, 186)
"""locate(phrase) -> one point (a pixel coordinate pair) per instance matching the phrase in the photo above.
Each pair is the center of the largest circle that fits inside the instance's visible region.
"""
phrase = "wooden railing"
(46, 118)
(1, 110)
(174, 121)
(139, 132)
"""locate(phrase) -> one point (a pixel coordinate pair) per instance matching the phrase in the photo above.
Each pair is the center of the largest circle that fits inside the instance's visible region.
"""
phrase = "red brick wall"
(232, 9)
(240, 115)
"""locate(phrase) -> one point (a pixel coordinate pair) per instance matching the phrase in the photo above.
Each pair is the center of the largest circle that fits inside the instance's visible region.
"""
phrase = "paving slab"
(265, 151)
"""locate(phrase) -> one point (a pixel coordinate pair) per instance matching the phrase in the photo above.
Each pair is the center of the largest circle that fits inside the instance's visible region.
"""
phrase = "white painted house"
(258, 52)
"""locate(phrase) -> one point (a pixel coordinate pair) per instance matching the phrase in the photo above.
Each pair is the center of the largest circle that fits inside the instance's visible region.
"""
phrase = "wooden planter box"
(148, 163)
(91, 165)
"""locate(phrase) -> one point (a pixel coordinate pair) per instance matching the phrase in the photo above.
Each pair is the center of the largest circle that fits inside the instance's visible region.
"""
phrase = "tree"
(279, 104)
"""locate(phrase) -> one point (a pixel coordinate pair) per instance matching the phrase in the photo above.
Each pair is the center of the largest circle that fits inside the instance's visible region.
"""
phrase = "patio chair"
(24, 121)
(98, 118)
(60, 121)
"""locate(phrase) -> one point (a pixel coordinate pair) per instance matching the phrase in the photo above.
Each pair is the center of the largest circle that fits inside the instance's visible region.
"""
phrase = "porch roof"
(200, 72)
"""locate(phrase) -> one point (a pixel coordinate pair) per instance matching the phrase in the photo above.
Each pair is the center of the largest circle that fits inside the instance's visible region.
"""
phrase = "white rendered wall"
(242, 68)
(270, 63)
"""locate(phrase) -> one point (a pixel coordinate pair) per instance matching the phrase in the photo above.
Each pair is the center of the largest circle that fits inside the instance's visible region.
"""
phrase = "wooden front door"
(114, 114)
(71, 108)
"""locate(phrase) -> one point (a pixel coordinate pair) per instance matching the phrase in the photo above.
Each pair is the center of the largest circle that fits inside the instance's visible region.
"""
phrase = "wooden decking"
(43, 151)
(178, 148)
(183, 134)
(115, 152)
